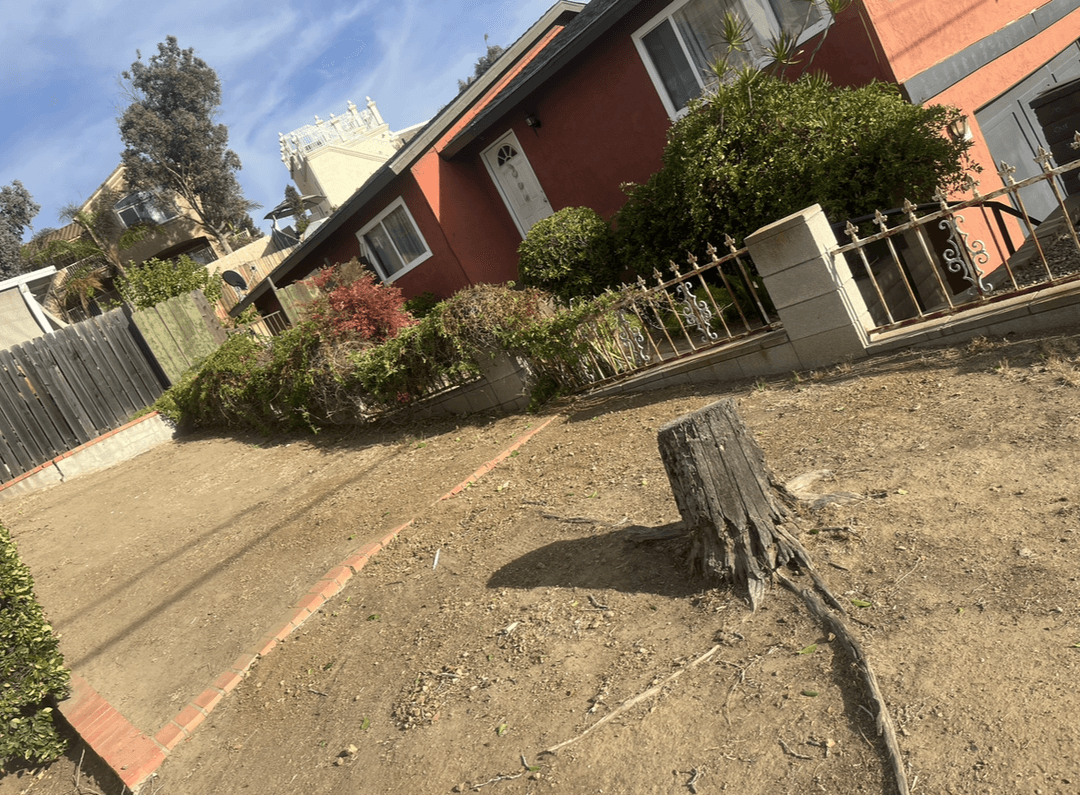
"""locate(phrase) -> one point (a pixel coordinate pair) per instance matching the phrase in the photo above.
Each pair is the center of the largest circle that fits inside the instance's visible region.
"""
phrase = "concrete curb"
(135, 757)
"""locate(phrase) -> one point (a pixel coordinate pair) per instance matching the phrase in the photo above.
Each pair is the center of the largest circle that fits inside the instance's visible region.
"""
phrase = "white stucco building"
(333, 157)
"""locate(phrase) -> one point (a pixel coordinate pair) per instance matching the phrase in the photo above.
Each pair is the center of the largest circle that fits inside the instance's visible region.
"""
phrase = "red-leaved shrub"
(353, 305)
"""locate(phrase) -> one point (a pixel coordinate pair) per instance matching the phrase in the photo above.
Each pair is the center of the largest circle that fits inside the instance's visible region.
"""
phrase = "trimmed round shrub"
(570, 254)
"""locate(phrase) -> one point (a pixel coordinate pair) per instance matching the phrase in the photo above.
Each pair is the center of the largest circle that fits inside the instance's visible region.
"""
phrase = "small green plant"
(157, 280)
(420, 306)
(32, 669)
(570, 254)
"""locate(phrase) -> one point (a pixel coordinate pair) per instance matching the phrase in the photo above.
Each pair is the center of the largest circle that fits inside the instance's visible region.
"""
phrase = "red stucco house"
(581, 104)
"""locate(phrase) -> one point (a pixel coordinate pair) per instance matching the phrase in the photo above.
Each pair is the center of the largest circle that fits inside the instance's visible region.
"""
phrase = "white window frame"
(142, 202)
(373, 257)
(668, 14)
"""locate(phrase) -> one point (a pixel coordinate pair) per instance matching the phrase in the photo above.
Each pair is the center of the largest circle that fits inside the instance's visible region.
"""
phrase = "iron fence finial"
(879, 220)
(1042, 157)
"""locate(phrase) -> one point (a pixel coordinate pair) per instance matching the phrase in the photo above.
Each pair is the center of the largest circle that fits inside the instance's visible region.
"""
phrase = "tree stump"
(735, 510)
(730, 502)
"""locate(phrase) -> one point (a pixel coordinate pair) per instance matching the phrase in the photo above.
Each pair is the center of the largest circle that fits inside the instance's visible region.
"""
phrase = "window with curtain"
(392, 242)
(678, 45)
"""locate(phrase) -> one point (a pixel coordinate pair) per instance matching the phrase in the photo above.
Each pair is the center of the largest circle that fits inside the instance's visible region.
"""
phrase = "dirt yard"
(541, 618)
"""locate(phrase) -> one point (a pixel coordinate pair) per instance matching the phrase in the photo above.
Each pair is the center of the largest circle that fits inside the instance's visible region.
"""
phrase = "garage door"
(1012, 132)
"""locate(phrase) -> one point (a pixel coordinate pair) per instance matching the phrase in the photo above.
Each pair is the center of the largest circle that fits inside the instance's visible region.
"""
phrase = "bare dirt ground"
(541, 618)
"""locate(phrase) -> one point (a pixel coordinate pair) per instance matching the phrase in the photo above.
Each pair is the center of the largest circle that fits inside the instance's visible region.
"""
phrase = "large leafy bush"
(157, 280)
(569, 254)
(760, 148)
(32, 673)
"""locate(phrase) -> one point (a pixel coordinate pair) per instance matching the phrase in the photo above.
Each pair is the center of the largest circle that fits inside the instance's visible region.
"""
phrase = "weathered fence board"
(75, 376)
(27, 414)
(63, 389)
(293, 298)
(181, 332)
(65, 438)
(97, 381)
(114, 379)
(37, 350)
(120, 333)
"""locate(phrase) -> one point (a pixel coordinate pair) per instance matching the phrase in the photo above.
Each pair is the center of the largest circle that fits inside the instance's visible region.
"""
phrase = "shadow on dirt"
(605, 561)
(387, 431)
(78, 772)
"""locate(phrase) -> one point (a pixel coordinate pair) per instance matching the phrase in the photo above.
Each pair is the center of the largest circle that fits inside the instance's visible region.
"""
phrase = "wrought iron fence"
(936, 261)
(710, 305)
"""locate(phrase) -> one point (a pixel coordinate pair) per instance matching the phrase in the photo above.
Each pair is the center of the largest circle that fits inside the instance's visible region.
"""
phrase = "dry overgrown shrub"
(351, 305)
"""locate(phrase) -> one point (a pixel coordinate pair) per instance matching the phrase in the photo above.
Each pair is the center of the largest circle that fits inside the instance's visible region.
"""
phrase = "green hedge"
(759, 148)
(303, 380)
(32, 673)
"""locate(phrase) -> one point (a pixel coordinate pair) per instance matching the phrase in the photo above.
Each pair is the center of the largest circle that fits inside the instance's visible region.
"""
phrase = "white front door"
(517, 183)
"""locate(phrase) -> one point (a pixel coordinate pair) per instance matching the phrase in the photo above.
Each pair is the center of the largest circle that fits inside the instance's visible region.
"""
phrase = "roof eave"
(505, 102)
(415, 148)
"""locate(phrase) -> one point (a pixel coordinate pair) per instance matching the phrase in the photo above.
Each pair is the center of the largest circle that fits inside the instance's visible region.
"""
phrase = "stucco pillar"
(817, 299)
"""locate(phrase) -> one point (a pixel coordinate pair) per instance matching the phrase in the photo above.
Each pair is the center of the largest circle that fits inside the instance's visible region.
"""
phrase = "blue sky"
(280, 65)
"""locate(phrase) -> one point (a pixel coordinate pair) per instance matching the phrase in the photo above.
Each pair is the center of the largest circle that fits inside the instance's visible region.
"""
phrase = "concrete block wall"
(118, 445)
(504, 385)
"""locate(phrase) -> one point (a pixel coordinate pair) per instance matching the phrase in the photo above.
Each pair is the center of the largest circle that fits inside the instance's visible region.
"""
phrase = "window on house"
(392, 241)
(139, 208)
(203, 255)
(678, 44)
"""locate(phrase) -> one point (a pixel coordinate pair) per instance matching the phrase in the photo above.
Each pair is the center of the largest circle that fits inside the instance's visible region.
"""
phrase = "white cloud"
(280, 65)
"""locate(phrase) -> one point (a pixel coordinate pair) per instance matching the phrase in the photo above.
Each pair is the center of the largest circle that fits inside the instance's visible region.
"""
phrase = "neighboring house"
(175, 231)
(990, 58)
(334, 157)
(582, 102)
(22, 313)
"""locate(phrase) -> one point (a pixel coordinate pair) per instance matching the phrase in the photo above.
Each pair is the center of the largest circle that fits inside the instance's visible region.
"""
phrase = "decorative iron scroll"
(963, 257)
(632, 339)
(695, 312)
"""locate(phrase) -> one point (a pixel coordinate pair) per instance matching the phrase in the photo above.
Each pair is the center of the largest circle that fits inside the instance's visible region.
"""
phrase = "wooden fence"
(180, 332)
(63, 389)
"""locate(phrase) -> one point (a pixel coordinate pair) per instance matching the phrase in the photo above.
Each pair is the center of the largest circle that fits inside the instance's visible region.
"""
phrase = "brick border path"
(133, 755)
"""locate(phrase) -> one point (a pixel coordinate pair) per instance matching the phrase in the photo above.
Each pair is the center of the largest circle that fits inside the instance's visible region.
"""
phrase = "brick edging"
(132, 755)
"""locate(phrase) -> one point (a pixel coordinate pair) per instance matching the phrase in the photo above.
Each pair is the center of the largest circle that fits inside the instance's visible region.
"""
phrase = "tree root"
(854, 649)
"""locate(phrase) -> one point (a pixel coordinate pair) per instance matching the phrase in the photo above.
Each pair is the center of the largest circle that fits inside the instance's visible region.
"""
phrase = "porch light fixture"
(532, 120)
(960, 130)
